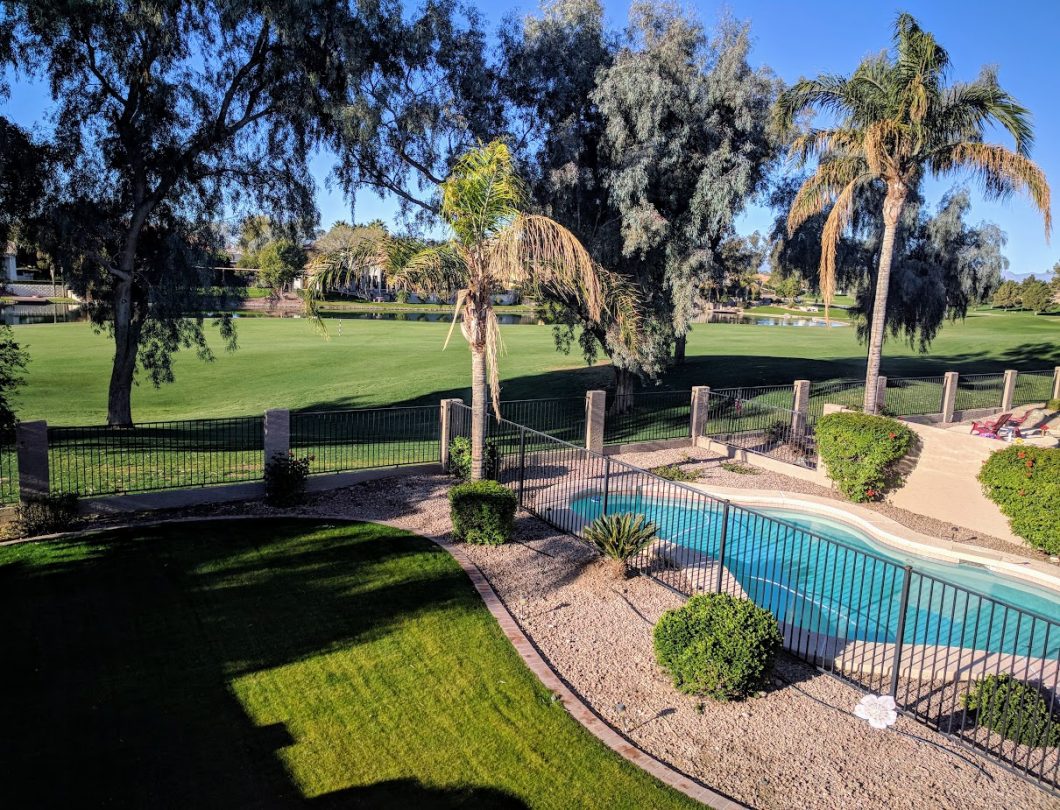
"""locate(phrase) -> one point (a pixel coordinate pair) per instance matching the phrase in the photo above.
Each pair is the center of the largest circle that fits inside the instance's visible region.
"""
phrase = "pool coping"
(531, 656)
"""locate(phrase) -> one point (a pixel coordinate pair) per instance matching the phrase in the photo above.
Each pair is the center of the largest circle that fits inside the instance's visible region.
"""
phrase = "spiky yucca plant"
(897, 121)
(620, 537)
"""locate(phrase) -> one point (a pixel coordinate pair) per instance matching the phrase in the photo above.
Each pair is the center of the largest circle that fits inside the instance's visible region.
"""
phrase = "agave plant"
(494, 245)
(620, 537)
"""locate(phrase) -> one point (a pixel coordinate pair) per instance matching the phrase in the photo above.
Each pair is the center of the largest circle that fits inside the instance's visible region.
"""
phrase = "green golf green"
(278, 663)
(364, 363)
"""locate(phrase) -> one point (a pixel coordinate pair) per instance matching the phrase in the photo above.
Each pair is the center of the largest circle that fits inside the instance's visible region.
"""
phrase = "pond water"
(19, 314)
(768, 320)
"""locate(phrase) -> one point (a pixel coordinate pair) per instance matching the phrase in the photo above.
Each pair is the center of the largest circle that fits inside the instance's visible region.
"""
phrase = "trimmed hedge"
(861, 452)
(1024, 482)
(718, 646)
(483, 512)
(1015, 710)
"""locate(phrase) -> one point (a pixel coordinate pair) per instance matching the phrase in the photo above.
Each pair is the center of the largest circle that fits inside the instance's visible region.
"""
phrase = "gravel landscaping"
(797, 745)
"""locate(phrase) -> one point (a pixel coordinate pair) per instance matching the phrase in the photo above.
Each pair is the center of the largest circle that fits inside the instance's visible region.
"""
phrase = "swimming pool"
(821, 576)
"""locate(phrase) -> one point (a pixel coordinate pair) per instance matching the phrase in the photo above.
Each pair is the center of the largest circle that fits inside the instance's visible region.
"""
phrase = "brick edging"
(575, 706)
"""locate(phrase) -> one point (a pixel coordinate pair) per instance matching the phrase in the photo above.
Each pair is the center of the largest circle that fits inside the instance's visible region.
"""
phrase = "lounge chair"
(991, 428)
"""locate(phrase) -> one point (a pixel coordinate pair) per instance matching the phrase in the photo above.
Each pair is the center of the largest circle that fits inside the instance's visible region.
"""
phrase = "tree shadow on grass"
(119, 657)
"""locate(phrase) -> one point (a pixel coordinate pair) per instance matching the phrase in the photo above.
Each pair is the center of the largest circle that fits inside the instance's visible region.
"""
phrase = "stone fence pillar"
(700, 411)
(277, 433)
(445, 428)
(1056, 383)
(800, 407)
(881, 393)
(1008, 392)
(949, 395)
(31, 448)
(595, 416)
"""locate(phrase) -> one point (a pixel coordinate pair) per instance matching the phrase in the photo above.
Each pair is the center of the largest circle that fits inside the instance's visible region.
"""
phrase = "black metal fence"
(975, 391)
(155, 455)
(774, 396)
(654, 416)
(914, 396)
(848, 393)
(1033, 386)
(562, 417)
(338, 441)
(750, 425)
(8, 470)
(864, 616)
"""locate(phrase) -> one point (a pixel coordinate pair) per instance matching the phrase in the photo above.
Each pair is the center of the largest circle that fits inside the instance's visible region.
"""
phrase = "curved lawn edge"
(528, 652)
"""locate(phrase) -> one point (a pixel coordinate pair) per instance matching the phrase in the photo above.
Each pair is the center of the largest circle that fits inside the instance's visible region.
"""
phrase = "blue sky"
(811, 37)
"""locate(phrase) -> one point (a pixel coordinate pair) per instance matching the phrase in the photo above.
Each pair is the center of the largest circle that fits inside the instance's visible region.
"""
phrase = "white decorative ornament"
(879, 710)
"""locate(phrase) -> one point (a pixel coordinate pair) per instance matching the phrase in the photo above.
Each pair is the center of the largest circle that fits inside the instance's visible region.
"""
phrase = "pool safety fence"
(861, 615)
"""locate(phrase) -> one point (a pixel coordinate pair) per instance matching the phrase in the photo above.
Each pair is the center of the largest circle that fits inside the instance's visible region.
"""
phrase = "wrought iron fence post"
(721, 546)
(607, 486)
(522, 462)
(907, 578)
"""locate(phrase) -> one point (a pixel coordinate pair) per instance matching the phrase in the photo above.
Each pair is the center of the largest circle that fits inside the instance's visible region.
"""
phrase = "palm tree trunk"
(892, 211)
(478, 411)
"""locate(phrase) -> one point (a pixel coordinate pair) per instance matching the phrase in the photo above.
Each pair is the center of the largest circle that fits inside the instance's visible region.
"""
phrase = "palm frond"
(535, 249)
(966, 108)
(838, 219)
(826, 92)
(1000, 170)
(818, 142)
(822, 187)
(426, 269)
(482, 193)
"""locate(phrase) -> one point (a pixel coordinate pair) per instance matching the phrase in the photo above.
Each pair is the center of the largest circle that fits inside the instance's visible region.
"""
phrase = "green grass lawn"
(274, 664)
(287, 363)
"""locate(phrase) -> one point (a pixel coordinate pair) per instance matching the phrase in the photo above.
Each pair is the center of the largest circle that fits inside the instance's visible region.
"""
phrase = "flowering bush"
(1024, 482)
(861, 452)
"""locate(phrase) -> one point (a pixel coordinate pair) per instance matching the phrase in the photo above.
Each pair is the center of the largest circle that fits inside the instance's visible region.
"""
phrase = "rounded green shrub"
(460, 458)
(1015, 710)
(718, 646)
(1024, 482)
(483, 512)
(861, 452)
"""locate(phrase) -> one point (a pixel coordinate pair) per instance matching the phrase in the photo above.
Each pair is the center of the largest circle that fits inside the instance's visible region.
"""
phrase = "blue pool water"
(849, 586)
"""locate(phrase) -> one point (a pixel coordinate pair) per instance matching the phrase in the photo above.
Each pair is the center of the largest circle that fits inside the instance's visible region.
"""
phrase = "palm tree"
(494, 246)
(897, 121)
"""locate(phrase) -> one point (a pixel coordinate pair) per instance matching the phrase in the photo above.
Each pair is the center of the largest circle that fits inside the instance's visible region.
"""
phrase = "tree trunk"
(892, 211)
(127, 326)
(623, 401)
(680, 343)
(478, 411)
